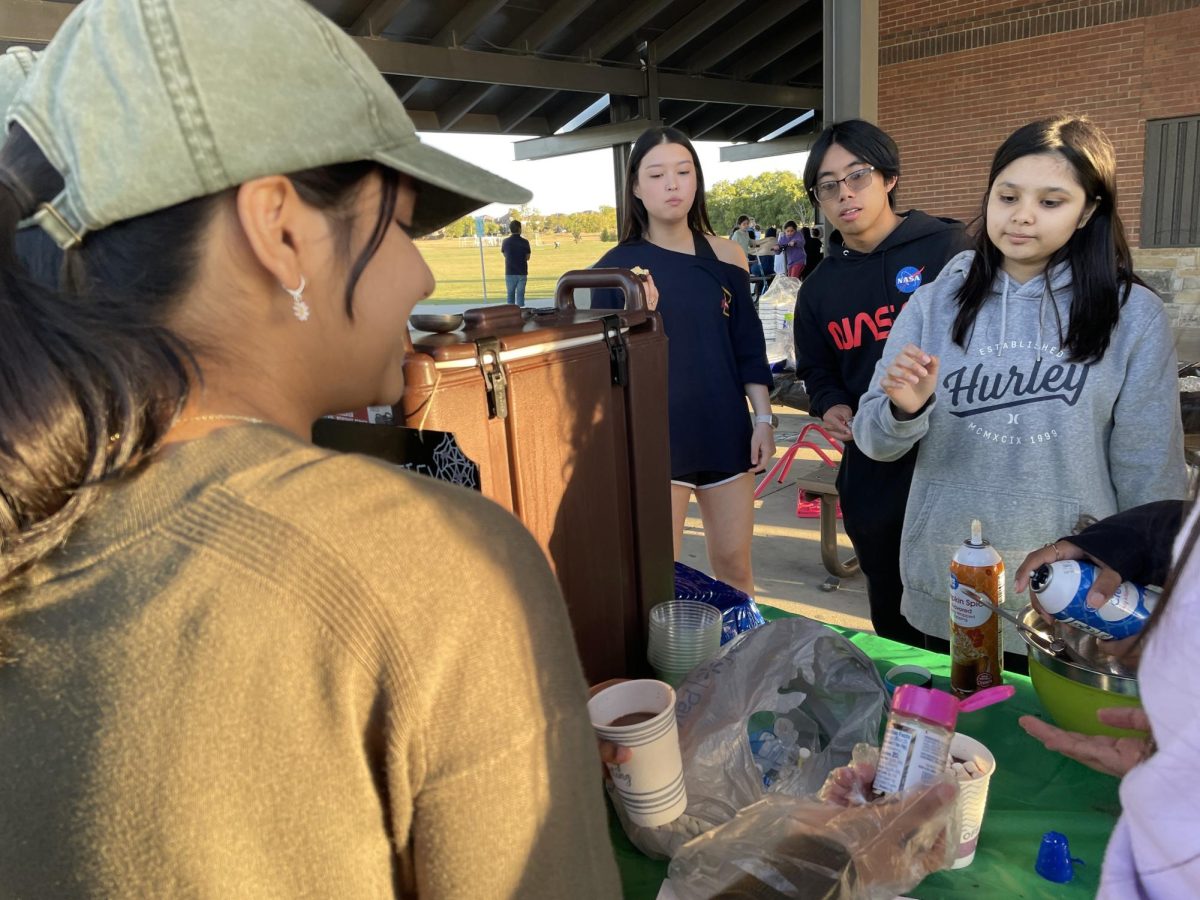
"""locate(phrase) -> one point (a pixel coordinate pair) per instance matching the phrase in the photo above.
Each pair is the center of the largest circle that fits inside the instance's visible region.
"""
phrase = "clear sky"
(584, 180)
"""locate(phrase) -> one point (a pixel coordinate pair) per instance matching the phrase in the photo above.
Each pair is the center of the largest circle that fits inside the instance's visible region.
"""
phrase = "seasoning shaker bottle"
(916, 744)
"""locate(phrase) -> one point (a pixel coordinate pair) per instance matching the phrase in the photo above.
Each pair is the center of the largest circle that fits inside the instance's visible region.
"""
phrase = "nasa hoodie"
(1019, 436)
(848, 302)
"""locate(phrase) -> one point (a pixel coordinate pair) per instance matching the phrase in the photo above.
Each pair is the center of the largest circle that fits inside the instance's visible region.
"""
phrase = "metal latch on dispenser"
(618, 350)
(494, 380)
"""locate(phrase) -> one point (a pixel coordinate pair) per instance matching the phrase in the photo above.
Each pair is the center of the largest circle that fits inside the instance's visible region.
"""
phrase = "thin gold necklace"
(221, 418)
(113, 438)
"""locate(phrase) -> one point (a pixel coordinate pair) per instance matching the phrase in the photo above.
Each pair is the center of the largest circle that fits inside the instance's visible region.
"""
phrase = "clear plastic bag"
(795, 847)
(774, 712)
(776, 308)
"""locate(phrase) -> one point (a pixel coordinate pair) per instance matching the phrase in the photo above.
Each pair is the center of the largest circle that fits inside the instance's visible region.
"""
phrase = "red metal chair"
(819, 480)
(779, 471)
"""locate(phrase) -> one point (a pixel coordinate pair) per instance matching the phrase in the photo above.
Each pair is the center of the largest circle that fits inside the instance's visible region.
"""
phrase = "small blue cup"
(1054, 861)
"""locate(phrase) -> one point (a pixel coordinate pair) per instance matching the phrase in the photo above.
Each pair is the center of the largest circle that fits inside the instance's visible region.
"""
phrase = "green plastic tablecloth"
(1032, 791)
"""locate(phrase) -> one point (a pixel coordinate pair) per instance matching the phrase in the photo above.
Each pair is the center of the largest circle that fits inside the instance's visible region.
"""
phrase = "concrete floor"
(787, 550)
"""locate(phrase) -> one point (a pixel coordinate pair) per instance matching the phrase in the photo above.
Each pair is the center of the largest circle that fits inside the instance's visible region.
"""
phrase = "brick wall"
(1175, 273)
(956, 77)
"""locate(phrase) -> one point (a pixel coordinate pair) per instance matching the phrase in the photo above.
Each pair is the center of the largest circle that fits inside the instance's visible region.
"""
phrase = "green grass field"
(456, 267)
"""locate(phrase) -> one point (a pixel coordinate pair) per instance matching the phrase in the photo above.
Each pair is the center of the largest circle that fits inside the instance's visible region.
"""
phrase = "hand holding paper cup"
(640, 715)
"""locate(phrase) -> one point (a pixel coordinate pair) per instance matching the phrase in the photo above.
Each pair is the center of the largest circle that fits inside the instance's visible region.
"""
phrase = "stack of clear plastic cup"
(683, 634)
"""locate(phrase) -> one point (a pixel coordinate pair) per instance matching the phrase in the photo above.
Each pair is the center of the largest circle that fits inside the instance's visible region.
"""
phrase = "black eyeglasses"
(413, 233)
(856, 181)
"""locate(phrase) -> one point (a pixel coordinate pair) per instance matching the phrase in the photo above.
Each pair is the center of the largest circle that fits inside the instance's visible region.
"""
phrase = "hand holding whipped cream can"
(1062, 588)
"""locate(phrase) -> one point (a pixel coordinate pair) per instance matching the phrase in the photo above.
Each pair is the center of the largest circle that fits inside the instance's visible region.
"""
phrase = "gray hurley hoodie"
(1019, 436)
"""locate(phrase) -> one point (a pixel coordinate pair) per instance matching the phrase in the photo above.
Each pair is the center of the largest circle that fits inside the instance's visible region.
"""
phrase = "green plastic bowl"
(1072, 691)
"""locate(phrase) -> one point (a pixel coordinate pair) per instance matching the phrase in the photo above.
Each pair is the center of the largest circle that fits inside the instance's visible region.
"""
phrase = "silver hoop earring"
(299, 307)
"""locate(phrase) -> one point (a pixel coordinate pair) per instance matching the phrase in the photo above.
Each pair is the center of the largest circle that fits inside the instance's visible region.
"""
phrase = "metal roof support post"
(851, 66)
(851, 36)
(650, 110)
(622, 109)
(650, 103)
(621, 154)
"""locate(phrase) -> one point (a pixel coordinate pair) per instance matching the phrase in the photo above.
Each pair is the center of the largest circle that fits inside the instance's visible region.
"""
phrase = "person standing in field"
(516, 252)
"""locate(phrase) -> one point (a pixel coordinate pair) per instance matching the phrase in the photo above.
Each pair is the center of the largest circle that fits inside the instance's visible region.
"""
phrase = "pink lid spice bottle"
(916, 744)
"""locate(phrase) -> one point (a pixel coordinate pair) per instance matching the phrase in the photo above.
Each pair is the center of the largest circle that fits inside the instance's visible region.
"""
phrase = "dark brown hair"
(1098, 253)
(91, 377)
(634, 221)
(863, 140)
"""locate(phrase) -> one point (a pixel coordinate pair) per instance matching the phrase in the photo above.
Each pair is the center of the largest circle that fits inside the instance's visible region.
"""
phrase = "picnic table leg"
(829, 548)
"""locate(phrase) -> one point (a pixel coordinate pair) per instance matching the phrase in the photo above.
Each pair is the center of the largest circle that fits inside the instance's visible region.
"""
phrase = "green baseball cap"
(143, 104)
(15, 65)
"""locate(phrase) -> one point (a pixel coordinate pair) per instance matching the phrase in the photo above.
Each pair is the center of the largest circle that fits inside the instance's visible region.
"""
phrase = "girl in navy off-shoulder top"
(700, 285)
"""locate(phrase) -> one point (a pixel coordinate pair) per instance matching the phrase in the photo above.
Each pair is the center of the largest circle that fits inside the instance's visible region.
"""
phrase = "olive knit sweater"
(258, 669)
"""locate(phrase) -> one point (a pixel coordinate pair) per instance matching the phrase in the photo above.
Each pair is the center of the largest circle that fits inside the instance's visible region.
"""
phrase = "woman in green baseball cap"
(232, 664)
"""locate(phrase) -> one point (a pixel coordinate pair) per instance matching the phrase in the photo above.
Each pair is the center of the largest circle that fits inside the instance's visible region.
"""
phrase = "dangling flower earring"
(299, 307)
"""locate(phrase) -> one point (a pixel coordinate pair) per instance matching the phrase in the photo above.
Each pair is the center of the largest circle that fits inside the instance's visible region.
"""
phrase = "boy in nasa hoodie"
(875, 260)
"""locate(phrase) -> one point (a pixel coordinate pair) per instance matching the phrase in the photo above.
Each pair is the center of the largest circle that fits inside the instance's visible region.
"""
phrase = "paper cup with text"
(972, 796)
(640, 715)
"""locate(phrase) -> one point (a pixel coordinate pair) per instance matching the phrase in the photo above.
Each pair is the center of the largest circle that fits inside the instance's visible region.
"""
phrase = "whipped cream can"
(1062, 588)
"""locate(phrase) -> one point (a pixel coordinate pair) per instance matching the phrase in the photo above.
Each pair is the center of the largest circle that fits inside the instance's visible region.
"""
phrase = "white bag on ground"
(775, 310)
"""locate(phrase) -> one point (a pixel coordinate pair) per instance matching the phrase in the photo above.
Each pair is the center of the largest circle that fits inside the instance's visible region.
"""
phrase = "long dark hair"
(634, 221)
(1101, 264)
(862, 139)
(91, 376)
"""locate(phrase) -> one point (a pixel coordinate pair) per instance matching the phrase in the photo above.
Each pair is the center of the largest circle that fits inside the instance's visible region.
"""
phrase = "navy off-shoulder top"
(716, 347)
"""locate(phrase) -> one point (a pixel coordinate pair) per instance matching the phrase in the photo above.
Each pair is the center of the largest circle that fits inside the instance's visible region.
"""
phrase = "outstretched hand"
(911, 379)
(1110, 755)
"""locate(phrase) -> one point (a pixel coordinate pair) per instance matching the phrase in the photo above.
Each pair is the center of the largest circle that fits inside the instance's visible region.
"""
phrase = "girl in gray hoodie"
(1037, 371)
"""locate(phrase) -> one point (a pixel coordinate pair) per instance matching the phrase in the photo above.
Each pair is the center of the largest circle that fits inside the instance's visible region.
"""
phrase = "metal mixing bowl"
(1082, 679)
(437, 323)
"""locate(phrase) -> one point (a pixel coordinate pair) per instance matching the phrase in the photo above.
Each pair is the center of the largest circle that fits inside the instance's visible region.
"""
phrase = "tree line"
(771, 198)
(533, 221)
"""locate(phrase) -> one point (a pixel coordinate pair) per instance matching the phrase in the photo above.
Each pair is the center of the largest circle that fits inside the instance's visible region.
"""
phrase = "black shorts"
(699, 481)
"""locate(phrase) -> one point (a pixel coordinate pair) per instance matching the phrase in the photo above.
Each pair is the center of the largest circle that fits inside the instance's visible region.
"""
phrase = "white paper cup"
(972, 797)
(650, 785)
